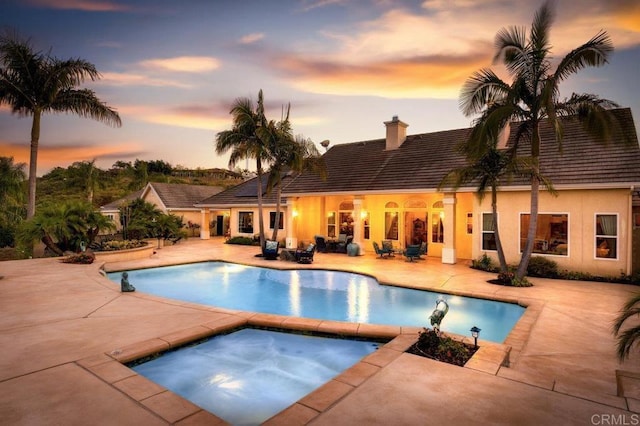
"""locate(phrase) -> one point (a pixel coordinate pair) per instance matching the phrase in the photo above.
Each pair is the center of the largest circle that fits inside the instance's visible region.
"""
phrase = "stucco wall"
(582, 207)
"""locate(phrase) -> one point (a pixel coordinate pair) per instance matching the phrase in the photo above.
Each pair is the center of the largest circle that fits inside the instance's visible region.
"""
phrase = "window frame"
(241, 222)
(272, 219)
(539, 253)
(483, 232)
(615, 237)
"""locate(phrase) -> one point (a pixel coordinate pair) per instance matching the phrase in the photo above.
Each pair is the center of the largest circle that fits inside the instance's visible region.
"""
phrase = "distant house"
(177, 199)
(387, 189)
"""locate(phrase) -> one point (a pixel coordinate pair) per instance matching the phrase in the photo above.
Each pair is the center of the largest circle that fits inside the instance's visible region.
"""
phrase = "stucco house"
(177, 199)
(387, 189)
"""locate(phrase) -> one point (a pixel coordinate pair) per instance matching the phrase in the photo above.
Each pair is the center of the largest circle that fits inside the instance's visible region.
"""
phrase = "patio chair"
(388, 246)
(423, 250)
(343, 242)
(306, 255)
(271, 250)
(321, 244)
(380, 251)
(412, 252)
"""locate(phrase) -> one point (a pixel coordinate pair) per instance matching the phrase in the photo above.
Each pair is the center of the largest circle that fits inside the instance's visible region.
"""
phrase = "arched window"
(346, 217)
(391, 218)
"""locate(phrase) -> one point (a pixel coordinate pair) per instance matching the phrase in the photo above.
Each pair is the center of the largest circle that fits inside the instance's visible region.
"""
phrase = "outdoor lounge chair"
(321, 244)
(306, 255)
(381, 251)
(271, 250)
(343, 242)
(388, 246)
(412, 252)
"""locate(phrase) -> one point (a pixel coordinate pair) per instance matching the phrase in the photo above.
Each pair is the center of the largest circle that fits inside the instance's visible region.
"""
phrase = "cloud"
(308, 5)
(431, 53)
(195, 116)
(50, 156)
(132, 79)
(251, 38)
(187, 64)
(85, 5)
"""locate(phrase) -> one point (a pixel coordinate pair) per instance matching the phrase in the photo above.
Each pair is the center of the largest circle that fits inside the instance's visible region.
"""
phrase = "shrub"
(483, 263)
(542, 267)
(84, 258)
(442, 348)
(114, 245)
(244, 241)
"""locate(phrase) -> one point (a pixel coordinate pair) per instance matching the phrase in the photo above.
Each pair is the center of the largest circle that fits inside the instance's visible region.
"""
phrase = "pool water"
(250, 375)
(321, 294)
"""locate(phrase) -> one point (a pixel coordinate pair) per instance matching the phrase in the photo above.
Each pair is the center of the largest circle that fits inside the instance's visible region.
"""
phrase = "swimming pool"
(249, 375)
(321, 294)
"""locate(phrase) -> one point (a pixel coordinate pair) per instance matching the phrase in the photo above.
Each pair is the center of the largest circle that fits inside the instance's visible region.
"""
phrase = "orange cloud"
(436, 77)
(190, 64)
(205, 117)
(130, 79)
(64, 155)
(86, 5)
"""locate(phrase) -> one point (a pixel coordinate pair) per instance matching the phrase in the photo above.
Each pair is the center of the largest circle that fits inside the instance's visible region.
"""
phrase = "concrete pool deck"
(59, 322)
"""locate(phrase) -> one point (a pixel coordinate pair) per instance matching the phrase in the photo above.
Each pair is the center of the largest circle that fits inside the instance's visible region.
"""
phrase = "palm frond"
(593, 53)
(483, 88)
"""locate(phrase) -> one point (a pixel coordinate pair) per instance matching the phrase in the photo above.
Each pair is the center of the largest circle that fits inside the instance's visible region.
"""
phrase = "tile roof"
(422, 161)
(172, 195)
(245, 193)
(176, 196)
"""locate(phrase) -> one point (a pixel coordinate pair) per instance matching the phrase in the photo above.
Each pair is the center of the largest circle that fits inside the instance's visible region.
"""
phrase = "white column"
(205, 233)
(291, 241)
(449, 248)
(357, 224)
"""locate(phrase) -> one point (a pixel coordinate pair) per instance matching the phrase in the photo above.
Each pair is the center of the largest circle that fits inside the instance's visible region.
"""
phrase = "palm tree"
(244, 142)
(533, 96)
(64, 226)
(289, 154)
(33, 83)
(630, 336)
(85, 175)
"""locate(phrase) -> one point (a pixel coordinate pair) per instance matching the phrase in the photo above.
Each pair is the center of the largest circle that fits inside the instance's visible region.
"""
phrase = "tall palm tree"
(86, 176)
(244, 142)
(289, 154)
(33, 83)
(533, 96)
(631, 336)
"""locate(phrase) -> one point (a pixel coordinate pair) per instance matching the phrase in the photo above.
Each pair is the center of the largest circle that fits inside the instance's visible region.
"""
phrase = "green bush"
(244, 241)
(483, 263)
(80, 258)
(442, 348)
(115, 245)
(542, 267)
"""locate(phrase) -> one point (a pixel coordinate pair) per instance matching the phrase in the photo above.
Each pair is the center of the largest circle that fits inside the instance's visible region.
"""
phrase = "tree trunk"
(535, 196)
(494, 209)
(51, 245)
(33, 163)
(260, 219)
(278, 206)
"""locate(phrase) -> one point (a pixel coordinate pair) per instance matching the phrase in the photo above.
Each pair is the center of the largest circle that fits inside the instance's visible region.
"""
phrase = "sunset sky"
(173, 68)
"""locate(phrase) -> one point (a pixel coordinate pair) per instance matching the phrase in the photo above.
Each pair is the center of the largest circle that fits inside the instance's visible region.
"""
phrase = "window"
(607, 236)
(245, 222)
(391, 221)
(365, 224)
(272, 220)
(346, 217)
(552, 233)
(331, 225)
(437, 222)
(469, 223)
(488, 232)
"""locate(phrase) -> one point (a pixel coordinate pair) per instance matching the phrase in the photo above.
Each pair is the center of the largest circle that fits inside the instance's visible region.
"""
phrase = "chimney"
(503, 136)
(396, 133)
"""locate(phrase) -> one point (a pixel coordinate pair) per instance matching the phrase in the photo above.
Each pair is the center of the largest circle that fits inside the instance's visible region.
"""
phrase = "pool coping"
(110, 366)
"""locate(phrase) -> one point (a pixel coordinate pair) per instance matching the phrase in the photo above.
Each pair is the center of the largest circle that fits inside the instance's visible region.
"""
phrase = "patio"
(57, 322)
